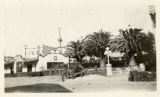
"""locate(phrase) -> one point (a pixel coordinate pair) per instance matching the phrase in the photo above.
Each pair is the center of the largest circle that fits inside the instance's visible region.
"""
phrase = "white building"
(51, 61)
(48, 58)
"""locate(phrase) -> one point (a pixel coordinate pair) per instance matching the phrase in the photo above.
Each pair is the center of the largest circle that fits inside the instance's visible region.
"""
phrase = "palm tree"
(96, 43)
(129, 41)
(148, 45)
(76, 50)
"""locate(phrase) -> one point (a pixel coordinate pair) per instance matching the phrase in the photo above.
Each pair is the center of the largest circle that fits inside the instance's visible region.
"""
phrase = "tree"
(130, 42)
(148, 43)
(96, 43)
(148, 46)
(76, 50)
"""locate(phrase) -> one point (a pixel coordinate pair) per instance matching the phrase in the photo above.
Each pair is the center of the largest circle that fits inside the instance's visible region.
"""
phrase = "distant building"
(40, 59)
(9, 63)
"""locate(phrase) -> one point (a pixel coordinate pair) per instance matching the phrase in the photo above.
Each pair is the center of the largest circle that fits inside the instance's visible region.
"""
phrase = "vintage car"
(73, 70)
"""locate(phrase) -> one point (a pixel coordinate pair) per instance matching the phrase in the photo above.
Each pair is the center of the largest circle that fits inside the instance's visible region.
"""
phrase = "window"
(54, 65)
(49, 65)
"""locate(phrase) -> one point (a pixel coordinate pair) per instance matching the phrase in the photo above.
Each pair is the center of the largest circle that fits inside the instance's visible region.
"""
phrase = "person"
(62, 76)
(12, 72)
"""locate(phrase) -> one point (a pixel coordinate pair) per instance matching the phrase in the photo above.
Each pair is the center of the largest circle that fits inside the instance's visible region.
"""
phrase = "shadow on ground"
(38, 88)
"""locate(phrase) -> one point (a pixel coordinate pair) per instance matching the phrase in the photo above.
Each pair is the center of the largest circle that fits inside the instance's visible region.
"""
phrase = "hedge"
(135, 75)
(91, 64)
(34, 74)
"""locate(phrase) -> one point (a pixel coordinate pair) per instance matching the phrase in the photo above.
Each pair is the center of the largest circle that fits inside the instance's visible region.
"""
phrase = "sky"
(35, 22)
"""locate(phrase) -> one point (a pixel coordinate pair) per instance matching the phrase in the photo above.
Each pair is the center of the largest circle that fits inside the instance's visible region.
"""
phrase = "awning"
(30, 61)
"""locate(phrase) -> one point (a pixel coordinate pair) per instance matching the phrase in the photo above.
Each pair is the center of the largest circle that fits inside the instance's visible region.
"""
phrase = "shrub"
(90, 64)
(135, 75)
(77, 69)
(34, 74)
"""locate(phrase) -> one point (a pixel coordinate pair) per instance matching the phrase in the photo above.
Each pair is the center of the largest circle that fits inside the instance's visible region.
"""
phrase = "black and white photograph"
(79, 46)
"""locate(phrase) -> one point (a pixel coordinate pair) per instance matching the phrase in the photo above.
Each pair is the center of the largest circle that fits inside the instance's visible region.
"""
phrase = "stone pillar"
(62, 77)
(142, 66)
(15, 67)
(59, 71)
(95, 69)
(102, 63)
(109, 69)
(50, 72)
(22, 65)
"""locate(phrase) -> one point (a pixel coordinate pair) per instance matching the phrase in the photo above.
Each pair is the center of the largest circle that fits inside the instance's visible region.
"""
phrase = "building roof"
(31, 60)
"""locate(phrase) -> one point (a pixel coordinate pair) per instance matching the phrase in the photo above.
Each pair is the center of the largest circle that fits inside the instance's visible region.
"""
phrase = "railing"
(39, 73)
(52, 72)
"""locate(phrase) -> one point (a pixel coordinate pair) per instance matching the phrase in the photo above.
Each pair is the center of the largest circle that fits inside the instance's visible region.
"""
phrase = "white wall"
(7, 70)
(34, 68)
(42, 63)
(24, 69)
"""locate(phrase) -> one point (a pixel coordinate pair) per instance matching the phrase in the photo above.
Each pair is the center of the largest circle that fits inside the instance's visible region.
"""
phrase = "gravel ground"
(96, 83)
(88, 83)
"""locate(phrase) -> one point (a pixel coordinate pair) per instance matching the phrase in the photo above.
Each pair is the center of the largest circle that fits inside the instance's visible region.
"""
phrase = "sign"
(55, 58)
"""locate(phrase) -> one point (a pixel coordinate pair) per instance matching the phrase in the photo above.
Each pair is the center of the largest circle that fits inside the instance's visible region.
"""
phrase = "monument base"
(109, 69)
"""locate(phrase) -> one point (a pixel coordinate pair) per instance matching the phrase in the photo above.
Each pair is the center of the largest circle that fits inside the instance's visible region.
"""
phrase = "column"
(15, 67)
(109, 69)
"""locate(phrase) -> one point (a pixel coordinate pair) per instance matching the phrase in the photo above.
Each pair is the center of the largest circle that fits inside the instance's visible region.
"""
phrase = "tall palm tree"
(96, 43)
(148, 45)
(129, 41)
(76, 50)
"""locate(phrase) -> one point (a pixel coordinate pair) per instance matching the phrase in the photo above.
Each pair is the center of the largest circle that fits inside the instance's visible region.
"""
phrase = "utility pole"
(38, 52)
(60, 39)
(152, 13)
(25, 52)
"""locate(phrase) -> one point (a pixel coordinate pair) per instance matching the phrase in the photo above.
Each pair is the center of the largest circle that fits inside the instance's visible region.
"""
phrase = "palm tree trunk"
(102, 63)
(132, 62)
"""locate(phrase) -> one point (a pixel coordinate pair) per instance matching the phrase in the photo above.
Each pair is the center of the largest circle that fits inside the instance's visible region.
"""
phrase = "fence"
(52, 72)
(103, 71)
(40, 73)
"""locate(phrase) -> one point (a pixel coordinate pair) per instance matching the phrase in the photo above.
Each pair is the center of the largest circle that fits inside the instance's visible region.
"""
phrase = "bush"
(73, 65)
(35, 74)
(77, 69)
(91, 64)
(135, 75)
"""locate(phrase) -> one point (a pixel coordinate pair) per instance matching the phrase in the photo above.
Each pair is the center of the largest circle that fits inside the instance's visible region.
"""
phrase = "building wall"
(34, 67)
(7, 70)
(42, 63)
(24, 69)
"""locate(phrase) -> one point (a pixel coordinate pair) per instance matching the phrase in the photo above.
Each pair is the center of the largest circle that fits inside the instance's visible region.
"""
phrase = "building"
(46, 59)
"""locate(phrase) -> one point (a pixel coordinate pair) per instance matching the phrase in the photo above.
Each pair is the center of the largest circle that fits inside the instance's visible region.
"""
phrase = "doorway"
(29, 68)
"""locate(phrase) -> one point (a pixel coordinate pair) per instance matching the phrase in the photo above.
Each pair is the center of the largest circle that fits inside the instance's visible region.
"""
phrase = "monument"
(108, 65)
